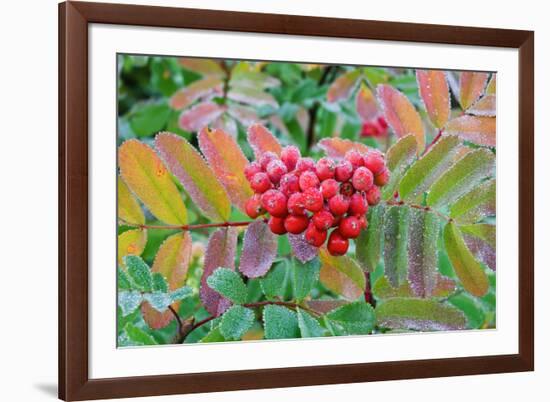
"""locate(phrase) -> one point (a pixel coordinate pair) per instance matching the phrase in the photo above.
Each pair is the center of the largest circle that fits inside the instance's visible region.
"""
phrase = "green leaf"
(481, 240)
(129, 301)
(229, 284)
(274, 283)
(235, 322)
(476, 204)
(180, 294)
(309, 326)
(139, 272)
(159, 301)
(280, 323)
(305, 277)
(159, 283)
(419, 315)
(149, 119)
(342, 275)
(128, 208)
(382, 289)
(467, 268)
(214, 335)
(428, 168)
(123, 280)
(355, 318)
(399, 157)
(368, 245)
(396, 236)
(139, 336)
(461, 177)
(470, 307)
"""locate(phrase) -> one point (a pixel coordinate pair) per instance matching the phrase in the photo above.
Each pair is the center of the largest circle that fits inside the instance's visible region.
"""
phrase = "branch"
(431, 144)
(186, 227)
(421, 207)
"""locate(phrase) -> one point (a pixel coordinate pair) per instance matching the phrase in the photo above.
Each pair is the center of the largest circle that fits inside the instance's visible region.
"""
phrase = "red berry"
(373, 195)
(308, 180)
(277, 225)
(374, 161)
(350, 227)
(296, 224)
(358, 205)
(290, 156)
(260, 183)
(313, 199)
(325, 168)
(329, 188)
(346, 189)
(337, 244)
(296, 204)
(362, 179)
(370, 129)
(289, 184)
(382, 178)
(343, 171)
(323, 220)
(265, 158)
(251, 169)
(355, 158)
(253, 206)
(314, 236)
(338, 204)
(304, 165)
(274, 202)
(382, 122)
(363, 221)
(275, 170)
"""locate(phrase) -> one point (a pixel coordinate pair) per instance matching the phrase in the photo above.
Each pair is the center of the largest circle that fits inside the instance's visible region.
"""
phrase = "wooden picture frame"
(74, 19)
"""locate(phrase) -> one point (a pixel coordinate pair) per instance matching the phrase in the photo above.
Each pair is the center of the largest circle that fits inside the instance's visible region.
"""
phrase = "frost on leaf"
(259, 250)
(309, 326)
(337, 147)
(262, 140)
(199, 116)
(481, 240)
(343, 86)
(195, 91)
(434, 92)
(396, 233)
(235, 322)
(229, 284)
(302, 250)
(365, 103)
(471, 85)
(477, 129)
(280, 323)
(342, 275)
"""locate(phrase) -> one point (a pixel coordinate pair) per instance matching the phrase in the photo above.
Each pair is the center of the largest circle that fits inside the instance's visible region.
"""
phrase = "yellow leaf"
(131, 242)
(129, 209)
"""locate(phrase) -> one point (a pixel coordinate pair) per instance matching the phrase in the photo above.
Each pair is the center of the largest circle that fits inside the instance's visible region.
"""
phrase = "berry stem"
(187, 227)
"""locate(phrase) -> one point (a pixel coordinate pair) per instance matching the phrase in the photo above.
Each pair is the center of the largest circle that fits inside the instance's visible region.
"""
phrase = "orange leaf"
(471, 87)
(434, 91)
(401, 114)
(131, 242)
(200, 115)
(197, 90)
(129, 209)
(205, 67)
(479, 130)
(228, 162)
(148, 178)
(492, 86)
(262, 140)
(172, 261)
(337, 147)
(486, 106)
(343, 86)
(365, 103)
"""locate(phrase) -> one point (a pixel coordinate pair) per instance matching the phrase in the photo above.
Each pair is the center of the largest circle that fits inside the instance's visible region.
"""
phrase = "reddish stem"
(188, 227)
(431, 144)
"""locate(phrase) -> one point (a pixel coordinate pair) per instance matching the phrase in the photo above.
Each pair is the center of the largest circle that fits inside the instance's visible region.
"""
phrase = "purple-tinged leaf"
(423, 236)
(434, 91)
(262, 140)
(481, 240)
(343, 86)
(476, 204)
(195, 91)
(301, 249)
(259, 250)
(324, 306)
(251, 96)
(472, 85)
(200, 115)
(220, 252)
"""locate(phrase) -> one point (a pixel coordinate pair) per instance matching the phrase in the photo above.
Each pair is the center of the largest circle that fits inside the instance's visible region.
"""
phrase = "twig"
(421, 207)
(431, 144)
(186, 227)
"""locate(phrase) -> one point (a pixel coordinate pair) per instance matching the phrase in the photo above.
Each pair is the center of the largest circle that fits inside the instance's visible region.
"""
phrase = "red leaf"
(197, 90)
(479, 130)
(337, 147)
(200, 115)
(471, 87)
(259, 250)
(261, 140)
(220, 252)
(343, 86)
(486, 106)
(365, 103)
(434, 91)
(401, 114)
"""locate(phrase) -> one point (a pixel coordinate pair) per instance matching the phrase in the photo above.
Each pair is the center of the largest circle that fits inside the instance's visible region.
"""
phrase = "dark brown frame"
(74, 17)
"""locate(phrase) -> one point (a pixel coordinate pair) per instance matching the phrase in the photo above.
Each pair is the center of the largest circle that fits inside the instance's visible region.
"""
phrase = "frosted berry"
(343, 171)
(296, 224)
(329, 188)
(314, 236)
(346, 189)
(289, 184)
(325, 168)
(260, 183)
(373, 195)
(296, 204)
(337, 244)
(251, 169)
(308, 180)
(362, 179)
(355, 158)
(358, 204)
(382, 178)
(277, 225)
(274, 202)
(304, 165)
(374, 161)
(275, 170)
(253, 206)
(265, 158)
(313, 199)
(338, 204)
(350, 227)
(322, 220)
(363, 221)
(290, 156)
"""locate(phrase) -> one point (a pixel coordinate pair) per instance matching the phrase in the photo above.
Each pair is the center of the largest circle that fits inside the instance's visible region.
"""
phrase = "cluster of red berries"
(302, 195)
(377, 127)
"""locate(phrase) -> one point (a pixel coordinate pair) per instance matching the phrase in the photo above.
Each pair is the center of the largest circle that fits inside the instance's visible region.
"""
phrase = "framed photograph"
(260, 200)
